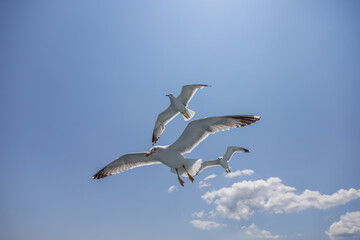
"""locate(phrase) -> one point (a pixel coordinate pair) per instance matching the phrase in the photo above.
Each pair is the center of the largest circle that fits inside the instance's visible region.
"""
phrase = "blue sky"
(82, 82)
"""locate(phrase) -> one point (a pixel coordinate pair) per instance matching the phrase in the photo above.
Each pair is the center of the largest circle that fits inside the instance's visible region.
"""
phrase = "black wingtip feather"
(154, 140)
(245, 120)
(100, 174)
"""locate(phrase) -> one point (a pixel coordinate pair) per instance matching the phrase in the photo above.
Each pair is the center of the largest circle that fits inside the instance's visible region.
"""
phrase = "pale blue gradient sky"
(82, 83)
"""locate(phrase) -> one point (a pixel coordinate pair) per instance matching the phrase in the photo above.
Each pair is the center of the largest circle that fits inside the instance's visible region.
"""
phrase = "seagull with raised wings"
(223, 161)
(177, 105)
(172, 155)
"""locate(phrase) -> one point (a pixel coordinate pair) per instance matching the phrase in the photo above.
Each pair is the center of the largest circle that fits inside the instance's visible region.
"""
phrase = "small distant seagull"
(223, 161)
(172, 155)
(177, 105)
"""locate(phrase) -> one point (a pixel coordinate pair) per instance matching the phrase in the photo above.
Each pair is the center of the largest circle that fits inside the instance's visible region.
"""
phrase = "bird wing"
(163, 118)
(207, 164)
(125, 162)
(196, 131)
(188, 92)
(233, 149)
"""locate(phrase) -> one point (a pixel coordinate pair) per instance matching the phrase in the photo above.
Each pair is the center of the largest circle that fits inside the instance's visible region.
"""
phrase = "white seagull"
(172, 155)
(223, 161)
(177, 105)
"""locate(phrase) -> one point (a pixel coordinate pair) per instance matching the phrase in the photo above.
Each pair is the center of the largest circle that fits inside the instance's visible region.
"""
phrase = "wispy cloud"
(172, 188)
(206, 225)
(199, 214)
(210, 177)
(202, 214)
(237, 173)
(203, 183)
(347, 226)
(255, 232)
(242, 199)
(212, 214)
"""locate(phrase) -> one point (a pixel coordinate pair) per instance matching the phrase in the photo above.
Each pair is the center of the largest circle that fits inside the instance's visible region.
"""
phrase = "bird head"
(170, 95)
(154, 150)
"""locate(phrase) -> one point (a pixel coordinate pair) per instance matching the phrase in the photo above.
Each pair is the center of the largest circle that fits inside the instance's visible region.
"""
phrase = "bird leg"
(190, 177)
(180, 180)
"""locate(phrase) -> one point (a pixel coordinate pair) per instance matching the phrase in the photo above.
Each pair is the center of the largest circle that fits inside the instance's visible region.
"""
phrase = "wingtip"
(202, 85)
(96, 176)
(154, 140)
(244, 120)
(100, 174)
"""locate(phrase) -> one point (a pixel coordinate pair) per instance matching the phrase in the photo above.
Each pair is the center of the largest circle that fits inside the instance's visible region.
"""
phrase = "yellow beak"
(167, 95)
(148, 153)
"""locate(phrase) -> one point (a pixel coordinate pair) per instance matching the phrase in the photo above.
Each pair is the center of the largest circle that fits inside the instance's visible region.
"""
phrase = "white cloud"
(253, 231)
(212, 214)
(206, 225)
(202, 214)
(210, 177)
(347, 226)
(245, 172)
(204, 184)
(242, 199)
(199, 214)
(172, 188)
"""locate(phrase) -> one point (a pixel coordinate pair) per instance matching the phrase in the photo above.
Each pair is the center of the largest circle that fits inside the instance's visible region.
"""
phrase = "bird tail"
(192, 166)
(188, 114)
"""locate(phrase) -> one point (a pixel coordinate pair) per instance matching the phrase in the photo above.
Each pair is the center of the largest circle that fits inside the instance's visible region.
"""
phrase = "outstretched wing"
(231, 150)
(208, 164)
(196, 131)
(163, 118)
(125, 162)
(188, 92)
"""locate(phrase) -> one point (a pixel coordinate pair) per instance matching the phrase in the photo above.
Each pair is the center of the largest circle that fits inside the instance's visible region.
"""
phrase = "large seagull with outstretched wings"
(172, 155)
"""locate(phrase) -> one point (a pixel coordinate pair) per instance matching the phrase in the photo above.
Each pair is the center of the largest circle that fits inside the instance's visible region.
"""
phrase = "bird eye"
(154, 149)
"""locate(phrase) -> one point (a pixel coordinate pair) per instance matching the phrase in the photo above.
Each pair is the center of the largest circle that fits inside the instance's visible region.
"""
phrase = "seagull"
(177, 105)
(172, 155)
(223, 161)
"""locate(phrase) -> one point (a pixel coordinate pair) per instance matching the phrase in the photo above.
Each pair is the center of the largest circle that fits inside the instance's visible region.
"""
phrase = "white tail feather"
(188, 114)
(192, 166)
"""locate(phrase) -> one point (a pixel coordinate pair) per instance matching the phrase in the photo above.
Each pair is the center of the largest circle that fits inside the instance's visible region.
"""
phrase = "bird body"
(223, 163)
(175, 160)
(170, 158)
(180, 107)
